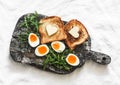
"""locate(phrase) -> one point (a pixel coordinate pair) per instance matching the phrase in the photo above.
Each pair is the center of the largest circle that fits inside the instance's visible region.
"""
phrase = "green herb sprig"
(31, 24)
(23, 37)
(57, 59)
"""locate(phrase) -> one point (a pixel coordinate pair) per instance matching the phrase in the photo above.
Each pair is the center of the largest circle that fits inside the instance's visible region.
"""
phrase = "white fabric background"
(101, 18)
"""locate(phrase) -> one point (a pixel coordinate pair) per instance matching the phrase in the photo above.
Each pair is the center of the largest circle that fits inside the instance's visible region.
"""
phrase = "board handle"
(98, 57)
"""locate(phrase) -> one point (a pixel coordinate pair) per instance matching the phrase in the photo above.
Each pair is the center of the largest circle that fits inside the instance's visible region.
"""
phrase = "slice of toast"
(77, 36)
(49, 26)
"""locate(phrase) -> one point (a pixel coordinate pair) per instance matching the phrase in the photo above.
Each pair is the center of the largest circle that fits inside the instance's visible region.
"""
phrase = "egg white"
(33, 44)
(73, 64)
(62, 46)
(38, 54)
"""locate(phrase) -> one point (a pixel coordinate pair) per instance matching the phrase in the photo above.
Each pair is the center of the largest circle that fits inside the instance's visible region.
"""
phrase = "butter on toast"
(76, 33)
(52, 29)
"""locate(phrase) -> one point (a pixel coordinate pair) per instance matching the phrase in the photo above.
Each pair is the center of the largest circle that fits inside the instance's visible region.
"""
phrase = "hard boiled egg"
(72, 59)
(42, 50)
(33, 40)
(58, 46)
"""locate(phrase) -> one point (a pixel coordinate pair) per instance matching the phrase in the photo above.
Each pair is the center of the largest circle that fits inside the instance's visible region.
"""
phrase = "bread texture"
(55, 21)
(71, 41)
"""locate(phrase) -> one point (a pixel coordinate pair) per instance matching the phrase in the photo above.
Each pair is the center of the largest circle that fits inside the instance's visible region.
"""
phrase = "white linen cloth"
(100, 17)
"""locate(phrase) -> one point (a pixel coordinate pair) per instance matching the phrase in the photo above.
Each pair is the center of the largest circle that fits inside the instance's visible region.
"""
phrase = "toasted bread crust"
(83, 34)
(55, 20)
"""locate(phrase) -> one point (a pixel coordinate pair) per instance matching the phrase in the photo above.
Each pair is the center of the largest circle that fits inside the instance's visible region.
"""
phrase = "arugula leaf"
(31, 24)
(57, 59)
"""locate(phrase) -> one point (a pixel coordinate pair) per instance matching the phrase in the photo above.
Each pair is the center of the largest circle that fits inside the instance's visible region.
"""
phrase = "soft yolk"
(42, 50)
(72, 59)
(56, 46)
(33, 38)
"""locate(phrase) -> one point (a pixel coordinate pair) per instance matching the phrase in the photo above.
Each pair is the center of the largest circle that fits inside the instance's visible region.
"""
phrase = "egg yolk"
(56, 46)
(42, 50)
(72, 59)
(33, 38)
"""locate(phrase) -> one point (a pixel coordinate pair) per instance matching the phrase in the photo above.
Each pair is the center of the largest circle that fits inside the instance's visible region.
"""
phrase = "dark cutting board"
(26, 55)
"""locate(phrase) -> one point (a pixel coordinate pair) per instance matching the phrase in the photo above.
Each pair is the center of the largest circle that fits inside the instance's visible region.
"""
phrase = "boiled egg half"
(58, 46)
(33, 40)
(72, 59)
(42, 50)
